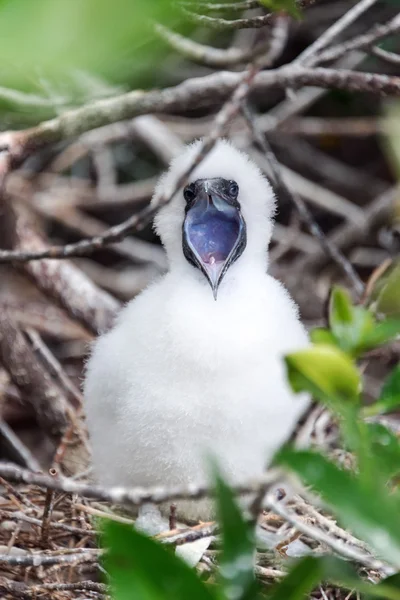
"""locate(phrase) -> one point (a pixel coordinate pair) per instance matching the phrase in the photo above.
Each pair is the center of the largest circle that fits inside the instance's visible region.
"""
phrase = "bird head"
(222, 217)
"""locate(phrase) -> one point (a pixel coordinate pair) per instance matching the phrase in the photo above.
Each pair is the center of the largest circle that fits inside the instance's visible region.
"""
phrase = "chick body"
(181, 375)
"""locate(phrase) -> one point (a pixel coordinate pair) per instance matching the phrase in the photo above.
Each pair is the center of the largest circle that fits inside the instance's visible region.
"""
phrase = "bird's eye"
(233, 189)
(189, 192)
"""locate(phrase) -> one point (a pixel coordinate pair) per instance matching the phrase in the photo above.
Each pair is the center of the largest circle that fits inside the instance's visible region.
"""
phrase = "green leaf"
(326, 372)
(143, 569)
(385, 450)
(368, 511)
(389, 398)
(87, 40)
(349, 324)
(288, 6)
(340, 308)
(392, 139)
(320, 335)
(238, 545)
(382, 332)
(308, 572)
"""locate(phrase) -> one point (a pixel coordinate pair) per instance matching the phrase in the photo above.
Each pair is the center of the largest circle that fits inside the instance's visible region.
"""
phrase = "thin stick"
(336, 545)
(301, 207)
(129, 496)
(308, 56)
(48, 508)
(48, 560)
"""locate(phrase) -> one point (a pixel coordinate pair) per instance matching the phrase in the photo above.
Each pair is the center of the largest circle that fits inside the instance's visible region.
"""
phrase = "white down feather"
(181, 375)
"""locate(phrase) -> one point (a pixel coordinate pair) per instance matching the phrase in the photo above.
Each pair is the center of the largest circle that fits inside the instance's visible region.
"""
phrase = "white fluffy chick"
(193, 365)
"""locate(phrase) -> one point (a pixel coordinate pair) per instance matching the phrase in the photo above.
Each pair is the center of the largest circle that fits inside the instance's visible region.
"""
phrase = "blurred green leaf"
(392, 137)
(385, 450)
(142, 569)
(308, 572)
(301, 580)
(43, 43)
(389, 398)
(288, 6)
(388, 300)
(367, 510)
(340, 308)
(324, 371)
(238, 545)
(320, 335)
(382, 332)
(349, 324)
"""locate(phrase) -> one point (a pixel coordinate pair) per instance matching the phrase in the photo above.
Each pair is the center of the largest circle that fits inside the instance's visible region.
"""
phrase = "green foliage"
(364, 507)
(309, 572)
(326, 372)
(142, 569)
(288, 6)
(355, 329)
(389, 398)
(361, 500)
(236, 562)
(63, 49)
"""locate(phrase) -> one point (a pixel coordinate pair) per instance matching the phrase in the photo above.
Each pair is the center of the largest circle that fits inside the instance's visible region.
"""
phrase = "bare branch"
(302, 209)
(336, 545)
(352, 233)
(128, 496)
(31, 378)
(231, 6)
(16, 448)
(79, 555)
(207, 55)
(310, 54)
(192, 93)
(35, 591)
(389, 57)
(376, 33)
(225, 24)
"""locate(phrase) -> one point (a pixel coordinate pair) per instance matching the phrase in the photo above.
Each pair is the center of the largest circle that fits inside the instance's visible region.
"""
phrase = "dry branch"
(366, 40)
(33, 381)
(192, 93)
(128, 496)
(207, 55)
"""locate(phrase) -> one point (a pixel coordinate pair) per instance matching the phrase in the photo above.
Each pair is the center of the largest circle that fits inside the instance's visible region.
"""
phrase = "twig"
(129, 496)
(62, 281)
(102, 514)
(193, 93)
(70, 529)
(219, 24)
(207, 55)
(55, 366)
(21, 499)
(389, 57)
(31, 378)
(231, 6)
(21, 453)
(376, 33)
(328, 524)
(48, 508)
(139, 220)
(302, 209)
(317, 534)
(268, 573)
(310, 54)
(47, 560)
(352, 233)
(34, 591)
